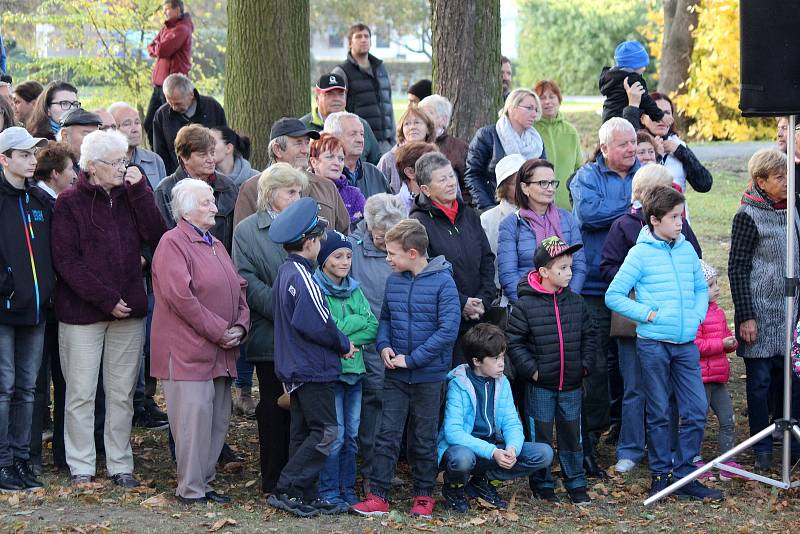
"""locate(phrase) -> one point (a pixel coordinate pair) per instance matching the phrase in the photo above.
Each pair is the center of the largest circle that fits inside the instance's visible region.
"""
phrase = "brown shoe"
(243, 402)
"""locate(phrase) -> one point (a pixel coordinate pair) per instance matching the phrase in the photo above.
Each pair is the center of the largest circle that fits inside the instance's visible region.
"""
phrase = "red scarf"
(450, 212)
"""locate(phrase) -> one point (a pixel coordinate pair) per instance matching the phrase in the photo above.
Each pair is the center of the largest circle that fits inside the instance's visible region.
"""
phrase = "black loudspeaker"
(770, 57)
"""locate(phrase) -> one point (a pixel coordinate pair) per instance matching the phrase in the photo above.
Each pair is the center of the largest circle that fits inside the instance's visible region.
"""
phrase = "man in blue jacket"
(601, 192)
(308, 346)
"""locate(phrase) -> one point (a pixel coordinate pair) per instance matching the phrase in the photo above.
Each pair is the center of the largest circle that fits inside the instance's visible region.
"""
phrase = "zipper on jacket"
(486, 406)
(413, 278)
(560, 344)
(28, 230)
(8, 298)
(680, 292)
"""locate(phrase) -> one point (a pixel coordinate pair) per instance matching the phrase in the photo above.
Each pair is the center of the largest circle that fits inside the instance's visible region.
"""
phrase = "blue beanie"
(333, 242)
(631, 55)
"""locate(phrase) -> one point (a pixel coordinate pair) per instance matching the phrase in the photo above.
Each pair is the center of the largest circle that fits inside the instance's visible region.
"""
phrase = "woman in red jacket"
(715, 340)
(199, 321)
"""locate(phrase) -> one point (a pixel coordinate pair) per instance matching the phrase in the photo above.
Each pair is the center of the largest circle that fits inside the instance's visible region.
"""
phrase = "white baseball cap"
(507, 167)
(16, 138)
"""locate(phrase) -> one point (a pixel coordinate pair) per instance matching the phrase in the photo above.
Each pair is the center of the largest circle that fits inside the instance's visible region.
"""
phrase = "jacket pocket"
(6, 282)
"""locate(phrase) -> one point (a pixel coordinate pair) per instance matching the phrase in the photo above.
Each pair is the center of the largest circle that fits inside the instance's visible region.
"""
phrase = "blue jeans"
(459, 462)
(337, 480)
(244, 371)
(20, 359)
(670, 367)
(545, 407)
(761, 373)
(631, 434)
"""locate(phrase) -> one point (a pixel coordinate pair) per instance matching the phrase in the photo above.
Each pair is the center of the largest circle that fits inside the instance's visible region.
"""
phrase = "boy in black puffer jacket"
(552, 342)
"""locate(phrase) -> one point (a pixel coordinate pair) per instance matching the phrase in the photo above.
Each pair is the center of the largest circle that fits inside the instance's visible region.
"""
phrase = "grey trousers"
(720, 401)
(199, 414)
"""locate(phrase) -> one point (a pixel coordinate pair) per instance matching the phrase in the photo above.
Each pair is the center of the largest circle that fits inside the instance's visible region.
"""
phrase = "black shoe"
(227, 455)
(455, 498)
(188, 501)
(764, 461)
(144, 420)
(9, 479)
(486, 490)
(694, 490)
(125, 480)
(545, 494)
(293, 505)
(659, 482)
(578, 496)
(25, 474)
(155, 412)
(326, 507)
(592, 469)
(213, 496)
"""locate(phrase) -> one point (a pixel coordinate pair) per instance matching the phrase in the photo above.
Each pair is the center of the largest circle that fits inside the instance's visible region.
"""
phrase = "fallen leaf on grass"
(249, 483)
(157, 501)
(233, 467)
(13, 500)
(476, 521)
(221, 523)
(510, 516)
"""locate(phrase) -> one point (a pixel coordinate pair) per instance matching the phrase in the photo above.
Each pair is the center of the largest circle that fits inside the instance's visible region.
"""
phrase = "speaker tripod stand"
(787, 426)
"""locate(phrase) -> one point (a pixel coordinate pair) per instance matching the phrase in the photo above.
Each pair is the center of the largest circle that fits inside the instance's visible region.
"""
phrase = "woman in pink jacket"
(715, 340)
(200, 319)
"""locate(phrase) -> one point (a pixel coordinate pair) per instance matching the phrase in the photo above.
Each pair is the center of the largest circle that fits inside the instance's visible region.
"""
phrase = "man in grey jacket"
(129, 123)
(366, 176)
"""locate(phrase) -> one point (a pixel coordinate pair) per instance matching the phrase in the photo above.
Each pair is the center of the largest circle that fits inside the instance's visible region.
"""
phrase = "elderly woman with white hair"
(513, 133)
(441, 111)
(201, 318)
(381, 213)
(621, 238)
(258, 258)
(99, 229)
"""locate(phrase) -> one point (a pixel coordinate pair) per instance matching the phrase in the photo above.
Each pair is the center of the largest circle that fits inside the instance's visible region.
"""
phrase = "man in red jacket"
(172, 49)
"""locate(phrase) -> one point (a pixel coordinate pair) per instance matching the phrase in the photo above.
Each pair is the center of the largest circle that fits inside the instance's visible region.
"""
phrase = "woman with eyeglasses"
(536, 219)
(56, 99)
(99, 229)
(513, 133)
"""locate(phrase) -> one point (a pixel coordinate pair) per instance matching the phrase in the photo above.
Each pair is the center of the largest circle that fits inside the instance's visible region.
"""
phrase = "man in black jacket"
(184, 106)
(26, 283)
(369, 92)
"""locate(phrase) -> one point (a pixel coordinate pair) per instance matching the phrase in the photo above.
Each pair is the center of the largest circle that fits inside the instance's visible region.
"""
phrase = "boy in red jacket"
(715, 340)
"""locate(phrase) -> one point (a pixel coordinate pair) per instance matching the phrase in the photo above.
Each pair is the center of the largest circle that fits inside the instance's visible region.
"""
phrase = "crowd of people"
(399, 293)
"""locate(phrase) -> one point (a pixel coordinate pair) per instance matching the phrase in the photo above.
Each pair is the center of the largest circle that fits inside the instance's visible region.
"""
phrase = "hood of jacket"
(459, 375)
(647, 237)
(434, 266)
(755, 197)
(362, 236)
(532, 286)
(242, 170)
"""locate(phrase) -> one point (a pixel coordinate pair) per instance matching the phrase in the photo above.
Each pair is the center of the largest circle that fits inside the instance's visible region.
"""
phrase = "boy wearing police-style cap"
(308, 346)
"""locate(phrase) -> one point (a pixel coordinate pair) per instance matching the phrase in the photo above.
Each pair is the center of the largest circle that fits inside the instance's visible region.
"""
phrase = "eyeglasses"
(545, 184)
(67, 104)
(108, 127)
(121, 163)
(529, 109)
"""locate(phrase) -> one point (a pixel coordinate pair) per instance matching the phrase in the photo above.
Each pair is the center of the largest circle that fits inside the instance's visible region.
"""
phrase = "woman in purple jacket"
(99, 229)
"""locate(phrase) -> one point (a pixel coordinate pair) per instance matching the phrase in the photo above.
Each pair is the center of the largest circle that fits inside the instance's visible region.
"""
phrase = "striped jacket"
(308, 344)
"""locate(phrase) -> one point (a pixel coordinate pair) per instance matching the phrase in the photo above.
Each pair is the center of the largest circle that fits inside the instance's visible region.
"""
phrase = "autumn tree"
(680, 19)
(267, 67)
(466, 61)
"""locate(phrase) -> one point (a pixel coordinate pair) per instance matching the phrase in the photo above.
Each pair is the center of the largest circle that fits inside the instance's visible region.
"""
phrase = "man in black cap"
(419, 90)
(184, 106)
(308, 346)
(330, 94)
(75, 125)
(289, 141)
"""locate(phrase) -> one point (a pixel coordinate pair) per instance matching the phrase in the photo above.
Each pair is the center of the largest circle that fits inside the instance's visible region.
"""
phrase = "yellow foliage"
(710, 100)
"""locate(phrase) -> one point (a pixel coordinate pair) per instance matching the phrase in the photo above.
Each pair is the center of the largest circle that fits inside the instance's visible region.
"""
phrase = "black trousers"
(273, 426)
(156, 101)
(313, 433)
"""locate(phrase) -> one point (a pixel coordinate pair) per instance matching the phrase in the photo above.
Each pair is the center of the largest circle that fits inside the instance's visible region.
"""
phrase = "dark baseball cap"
(291, 127)
(552, 248)
(331, 81)
(80, 117)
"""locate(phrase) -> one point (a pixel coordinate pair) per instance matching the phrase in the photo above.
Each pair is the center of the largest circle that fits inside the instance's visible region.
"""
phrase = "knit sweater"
(756, 264)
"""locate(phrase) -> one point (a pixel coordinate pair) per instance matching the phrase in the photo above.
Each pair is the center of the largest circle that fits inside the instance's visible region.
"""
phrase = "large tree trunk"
(466, 61)
(680, 19)
(267, 68)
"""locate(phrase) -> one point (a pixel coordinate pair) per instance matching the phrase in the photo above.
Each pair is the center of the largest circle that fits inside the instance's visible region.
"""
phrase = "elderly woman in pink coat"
(199, 321)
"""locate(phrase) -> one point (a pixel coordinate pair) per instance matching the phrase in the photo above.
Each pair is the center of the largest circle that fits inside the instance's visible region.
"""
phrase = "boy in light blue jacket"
(671, 302)
(482, 435)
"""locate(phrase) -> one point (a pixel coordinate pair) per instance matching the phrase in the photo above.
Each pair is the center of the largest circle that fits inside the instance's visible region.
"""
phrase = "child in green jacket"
(352, 314)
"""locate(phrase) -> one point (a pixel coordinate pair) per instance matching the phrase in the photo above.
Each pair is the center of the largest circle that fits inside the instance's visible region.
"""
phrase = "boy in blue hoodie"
(482, 435)
(671, 302)
(417, 329)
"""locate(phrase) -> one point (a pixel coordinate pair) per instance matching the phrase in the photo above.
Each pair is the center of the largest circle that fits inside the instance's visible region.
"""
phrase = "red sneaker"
(371, 506)
(423, 507)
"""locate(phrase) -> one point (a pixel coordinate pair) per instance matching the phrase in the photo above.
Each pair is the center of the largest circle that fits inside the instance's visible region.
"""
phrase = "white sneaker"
(624, 465)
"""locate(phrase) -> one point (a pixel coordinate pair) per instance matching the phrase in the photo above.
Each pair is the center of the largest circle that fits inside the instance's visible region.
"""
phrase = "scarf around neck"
(529, 144)
(329, 287)
(543, 226)
(451, 212)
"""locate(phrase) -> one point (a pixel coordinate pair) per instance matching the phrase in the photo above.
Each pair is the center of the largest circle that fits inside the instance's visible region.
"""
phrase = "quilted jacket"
(713, 361)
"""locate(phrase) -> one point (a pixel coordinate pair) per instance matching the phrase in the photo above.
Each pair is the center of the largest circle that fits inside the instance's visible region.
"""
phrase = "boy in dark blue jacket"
(308, 346)
(416, 333)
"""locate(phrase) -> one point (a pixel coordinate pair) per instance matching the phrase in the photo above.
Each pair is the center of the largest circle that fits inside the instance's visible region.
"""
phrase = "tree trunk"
(680, 20)
(466, 61)
(266, 68)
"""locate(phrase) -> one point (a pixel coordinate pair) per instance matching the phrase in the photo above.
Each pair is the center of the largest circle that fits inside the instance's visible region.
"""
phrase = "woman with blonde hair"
(414, 125)
(513, 133)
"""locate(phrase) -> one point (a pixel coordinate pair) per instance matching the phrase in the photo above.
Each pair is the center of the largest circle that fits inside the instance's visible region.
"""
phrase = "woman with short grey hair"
(99, 228)
(513, 133)
(370, 268)
(257, 259)
(200, 319)
(441, 111)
